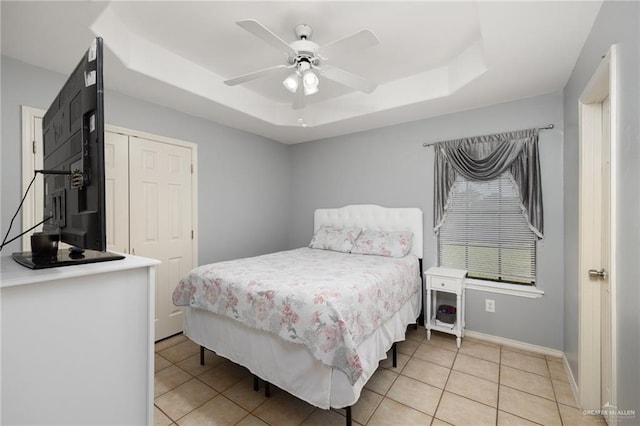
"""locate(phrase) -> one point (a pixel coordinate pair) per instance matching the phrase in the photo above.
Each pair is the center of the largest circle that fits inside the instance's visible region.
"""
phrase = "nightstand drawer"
(445, 283)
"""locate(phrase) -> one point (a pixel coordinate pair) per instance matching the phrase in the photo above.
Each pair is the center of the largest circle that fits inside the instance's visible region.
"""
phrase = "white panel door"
(116, 162)
(160, 205)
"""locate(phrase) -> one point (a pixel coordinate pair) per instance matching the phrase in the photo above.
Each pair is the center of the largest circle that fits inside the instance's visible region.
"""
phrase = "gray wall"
(617, 23)
(243, 179)
(390, 167)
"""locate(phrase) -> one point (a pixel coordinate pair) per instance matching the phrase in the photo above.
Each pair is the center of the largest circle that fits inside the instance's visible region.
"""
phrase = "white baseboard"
(572, 381)
(530, 348)
(515, 344)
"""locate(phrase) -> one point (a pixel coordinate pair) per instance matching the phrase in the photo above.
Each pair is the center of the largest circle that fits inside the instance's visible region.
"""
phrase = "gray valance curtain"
(486, 158)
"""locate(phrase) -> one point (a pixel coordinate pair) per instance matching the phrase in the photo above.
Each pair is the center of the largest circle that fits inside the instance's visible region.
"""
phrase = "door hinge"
(192, 234)
(191, 168)
(33, 146)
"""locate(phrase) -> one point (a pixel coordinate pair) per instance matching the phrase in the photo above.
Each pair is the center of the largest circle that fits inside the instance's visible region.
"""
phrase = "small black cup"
(44, 245)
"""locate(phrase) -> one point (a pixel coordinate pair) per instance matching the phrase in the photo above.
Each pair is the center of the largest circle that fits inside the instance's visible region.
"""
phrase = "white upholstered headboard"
(371, 216)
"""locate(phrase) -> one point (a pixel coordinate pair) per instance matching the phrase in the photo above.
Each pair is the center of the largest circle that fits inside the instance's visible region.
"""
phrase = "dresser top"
(13, 274)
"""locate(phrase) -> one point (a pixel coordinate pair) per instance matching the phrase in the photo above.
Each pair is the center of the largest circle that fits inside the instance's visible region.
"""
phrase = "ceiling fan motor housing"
(305, 50)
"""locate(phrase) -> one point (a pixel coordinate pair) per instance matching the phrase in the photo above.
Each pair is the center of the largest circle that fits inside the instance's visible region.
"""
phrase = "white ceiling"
(433, 58)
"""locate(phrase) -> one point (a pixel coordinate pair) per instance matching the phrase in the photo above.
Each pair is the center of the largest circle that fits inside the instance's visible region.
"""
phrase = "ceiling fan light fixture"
(291, 83)
(310, 82)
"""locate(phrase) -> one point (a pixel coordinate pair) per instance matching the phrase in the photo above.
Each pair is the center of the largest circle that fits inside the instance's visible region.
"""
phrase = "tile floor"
(434, 384)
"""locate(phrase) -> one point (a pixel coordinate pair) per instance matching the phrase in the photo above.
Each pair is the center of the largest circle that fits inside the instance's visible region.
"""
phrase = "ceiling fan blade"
(356, 41)
(262, 32)
(347, 79)
(256, 74)
(299, 99)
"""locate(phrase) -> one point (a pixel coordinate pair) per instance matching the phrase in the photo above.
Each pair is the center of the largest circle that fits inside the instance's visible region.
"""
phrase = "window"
(486, 233)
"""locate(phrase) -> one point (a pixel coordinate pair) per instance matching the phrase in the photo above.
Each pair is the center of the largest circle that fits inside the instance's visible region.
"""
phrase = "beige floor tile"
(426, 372)
(508, 419)
(435, 354)
(363, 409)
(169, 378)
(477, 367)
(524, 362)
(224, 375)
(438, 422)
(381, 380)
(192, 364)
(324, 418)
(390, 412)
(160, 363)
(564, 394)
(159, 418)
(388, 363)
(530, 407)
(283, 409)
(572, 416)
(557, 370)
(525, 381)
(174, 340)
(480, 350)
(185, 398)
(457, 410)
(418, 334)
(242, 393)
(443, 340)
(474, 388)
(218, 411)
(181, 351)
(251, 420)
(415, 394)
(408, 346)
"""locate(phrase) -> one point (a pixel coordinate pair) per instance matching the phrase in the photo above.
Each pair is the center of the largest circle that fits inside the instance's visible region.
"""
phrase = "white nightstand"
(448, 281)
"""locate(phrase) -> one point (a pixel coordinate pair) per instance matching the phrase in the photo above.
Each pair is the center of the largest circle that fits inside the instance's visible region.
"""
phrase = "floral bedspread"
(326, 300)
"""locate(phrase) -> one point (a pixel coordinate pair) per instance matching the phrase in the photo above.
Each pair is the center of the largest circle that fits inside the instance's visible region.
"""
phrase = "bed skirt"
(291, 366)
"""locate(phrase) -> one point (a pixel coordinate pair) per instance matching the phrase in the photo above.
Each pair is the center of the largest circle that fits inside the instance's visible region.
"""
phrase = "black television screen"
(74, 172)
(73, 142)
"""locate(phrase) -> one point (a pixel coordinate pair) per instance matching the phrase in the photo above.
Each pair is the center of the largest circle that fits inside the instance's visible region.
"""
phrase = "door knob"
(601, 274)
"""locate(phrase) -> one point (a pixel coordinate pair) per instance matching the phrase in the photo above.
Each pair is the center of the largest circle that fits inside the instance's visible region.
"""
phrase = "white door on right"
(605, 262)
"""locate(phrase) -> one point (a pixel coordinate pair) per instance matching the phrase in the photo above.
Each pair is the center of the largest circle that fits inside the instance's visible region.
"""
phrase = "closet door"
(116, 162)
(161, 228)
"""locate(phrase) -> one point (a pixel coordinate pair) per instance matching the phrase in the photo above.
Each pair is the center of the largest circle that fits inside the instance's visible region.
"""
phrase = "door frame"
(603, 83)
(32, 153)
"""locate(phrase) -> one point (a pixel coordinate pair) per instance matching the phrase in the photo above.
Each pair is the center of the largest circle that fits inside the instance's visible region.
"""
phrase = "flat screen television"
(74, 172)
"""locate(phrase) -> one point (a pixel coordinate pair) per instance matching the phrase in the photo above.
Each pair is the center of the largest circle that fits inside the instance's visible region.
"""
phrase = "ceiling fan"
(304, 59)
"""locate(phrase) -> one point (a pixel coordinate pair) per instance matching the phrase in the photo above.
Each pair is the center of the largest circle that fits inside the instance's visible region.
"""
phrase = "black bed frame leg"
(349, 416)
(395, 355)
(267, 389)
(201, 355)
(256, 383)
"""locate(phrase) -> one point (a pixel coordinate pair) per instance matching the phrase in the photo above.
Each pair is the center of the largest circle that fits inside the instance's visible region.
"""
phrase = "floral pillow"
(383, 243)
(335, 238)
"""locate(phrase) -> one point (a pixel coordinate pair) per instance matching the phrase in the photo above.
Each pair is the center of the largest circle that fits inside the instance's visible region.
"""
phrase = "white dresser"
(77, 343)
(445, 280)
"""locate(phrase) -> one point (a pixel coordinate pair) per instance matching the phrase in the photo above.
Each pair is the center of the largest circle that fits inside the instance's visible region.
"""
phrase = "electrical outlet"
(489, 305)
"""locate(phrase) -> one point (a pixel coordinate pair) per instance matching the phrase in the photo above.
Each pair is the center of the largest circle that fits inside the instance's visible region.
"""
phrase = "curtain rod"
(426, 144)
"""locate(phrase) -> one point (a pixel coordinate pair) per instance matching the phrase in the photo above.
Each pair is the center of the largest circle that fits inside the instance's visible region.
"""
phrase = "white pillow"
(335, 238)
(383, 243)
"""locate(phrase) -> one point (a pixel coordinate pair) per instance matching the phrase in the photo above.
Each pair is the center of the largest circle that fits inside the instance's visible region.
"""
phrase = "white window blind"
(485, 232)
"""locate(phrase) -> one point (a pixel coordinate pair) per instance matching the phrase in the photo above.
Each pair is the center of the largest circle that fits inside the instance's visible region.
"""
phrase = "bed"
(312, 347)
